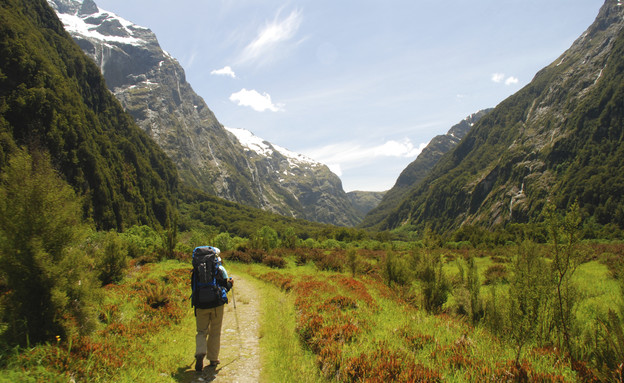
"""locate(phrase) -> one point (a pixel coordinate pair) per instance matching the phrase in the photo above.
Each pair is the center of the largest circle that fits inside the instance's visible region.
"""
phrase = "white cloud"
(511, 80)
(498, 77)
(225, 71)
(271, 36)
(349, 155)
(255, 100)
(398, 149)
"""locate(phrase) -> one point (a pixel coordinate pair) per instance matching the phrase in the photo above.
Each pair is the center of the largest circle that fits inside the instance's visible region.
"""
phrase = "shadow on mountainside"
(240, 355)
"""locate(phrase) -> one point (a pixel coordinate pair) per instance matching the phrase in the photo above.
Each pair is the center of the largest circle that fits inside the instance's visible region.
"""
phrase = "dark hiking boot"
(199, 363)
(214, 363)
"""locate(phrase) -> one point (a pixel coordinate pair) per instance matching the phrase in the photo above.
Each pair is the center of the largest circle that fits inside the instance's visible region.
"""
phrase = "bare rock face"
(151, 86)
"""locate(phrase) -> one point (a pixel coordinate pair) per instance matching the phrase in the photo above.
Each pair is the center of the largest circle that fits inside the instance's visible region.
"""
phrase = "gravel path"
(240, 351)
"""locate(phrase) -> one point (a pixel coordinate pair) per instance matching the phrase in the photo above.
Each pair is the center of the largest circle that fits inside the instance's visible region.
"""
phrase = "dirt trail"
(240, 351)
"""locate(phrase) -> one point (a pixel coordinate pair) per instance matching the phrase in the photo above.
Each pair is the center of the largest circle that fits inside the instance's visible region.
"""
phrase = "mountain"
(307, 186)
(365, 201)
(560, 138)
(151, 86)
(53, 98)
(417, 170)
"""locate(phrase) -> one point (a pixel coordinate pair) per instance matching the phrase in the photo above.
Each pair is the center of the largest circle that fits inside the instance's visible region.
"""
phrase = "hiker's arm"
(224, 280)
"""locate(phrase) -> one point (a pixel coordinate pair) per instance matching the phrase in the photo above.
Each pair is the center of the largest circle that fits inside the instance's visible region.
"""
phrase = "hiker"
(210, 284)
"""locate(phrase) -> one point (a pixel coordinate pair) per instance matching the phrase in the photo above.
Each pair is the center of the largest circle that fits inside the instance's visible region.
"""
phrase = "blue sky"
(363, 85)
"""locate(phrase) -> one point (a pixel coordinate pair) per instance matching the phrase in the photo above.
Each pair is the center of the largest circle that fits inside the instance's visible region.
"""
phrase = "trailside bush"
(48, 286)
(111, 259)
(142, 241)
(274, 261)
(237, 256)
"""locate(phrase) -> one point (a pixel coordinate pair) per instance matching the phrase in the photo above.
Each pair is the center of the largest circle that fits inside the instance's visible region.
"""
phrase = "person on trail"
(209, 316)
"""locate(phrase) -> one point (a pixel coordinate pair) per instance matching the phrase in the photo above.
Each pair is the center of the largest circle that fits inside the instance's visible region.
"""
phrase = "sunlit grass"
(381, 330)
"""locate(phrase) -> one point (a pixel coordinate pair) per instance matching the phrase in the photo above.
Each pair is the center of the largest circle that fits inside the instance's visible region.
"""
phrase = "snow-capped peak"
(264, 148)
(100, 25)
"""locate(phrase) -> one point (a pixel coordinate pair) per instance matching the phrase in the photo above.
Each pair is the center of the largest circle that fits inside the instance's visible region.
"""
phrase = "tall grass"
(283, 358)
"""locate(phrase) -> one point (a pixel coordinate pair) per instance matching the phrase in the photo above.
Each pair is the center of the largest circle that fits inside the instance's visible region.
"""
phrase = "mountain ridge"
(151, 86)
(418, 169)
(546, 142)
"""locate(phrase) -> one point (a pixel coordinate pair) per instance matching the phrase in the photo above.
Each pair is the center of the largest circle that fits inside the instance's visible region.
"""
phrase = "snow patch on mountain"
(103, 25)
(252, 142)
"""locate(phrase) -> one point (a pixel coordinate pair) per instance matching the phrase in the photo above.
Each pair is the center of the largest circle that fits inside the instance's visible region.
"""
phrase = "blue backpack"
(207, 282)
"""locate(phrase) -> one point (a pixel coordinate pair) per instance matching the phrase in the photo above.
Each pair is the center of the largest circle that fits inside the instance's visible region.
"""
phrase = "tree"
(564, 234)
(528, 296)
(48, 286)
(290, 238)
(435, 284)
(112, 259)
(266, 239)
(223, 241)
(170, 238)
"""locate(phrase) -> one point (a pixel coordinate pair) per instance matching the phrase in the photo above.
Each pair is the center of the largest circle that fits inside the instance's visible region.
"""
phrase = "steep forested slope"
(418, 169)
(558, 139)
(53, 98)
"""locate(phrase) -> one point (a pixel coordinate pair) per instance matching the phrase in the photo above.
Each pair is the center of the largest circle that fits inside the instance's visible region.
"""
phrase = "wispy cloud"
(225, 71)
(500, 78)
(257, 101)
(349, 154)
(271, 37)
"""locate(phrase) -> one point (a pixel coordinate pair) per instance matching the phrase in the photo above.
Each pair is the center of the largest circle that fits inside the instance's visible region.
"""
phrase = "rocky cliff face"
(151, 86)
(296, 182)
(557, 139)
(416, 171)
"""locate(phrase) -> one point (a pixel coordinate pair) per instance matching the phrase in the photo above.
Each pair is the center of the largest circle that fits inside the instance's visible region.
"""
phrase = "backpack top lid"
(202, 251)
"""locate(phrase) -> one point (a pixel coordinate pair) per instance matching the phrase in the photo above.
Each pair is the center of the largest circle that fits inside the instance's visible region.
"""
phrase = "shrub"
(496, 274)
(257, 255)
(495, 312)
(111, 261)
(274, 261)
(302, 256)
(331, 243)
(141, 241)
(156, 294)
(238, 256)
(310, 243)
(435, 286)
(352, 261)
(329, 262)
(395, 270)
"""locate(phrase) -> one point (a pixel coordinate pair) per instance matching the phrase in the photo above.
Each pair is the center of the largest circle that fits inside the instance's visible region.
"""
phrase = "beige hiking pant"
(208, 338)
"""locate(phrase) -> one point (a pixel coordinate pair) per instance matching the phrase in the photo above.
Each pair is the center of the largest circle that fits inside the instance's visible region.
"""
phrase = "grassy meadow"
(361, 312)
